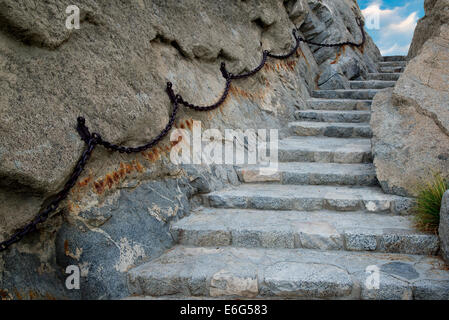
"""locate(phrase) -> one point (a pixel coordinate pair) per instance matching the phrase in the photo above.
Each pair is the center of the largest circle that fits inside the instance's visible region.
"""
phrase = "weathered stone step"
(333, 116)
(311, 173)
(320, 230)
(391, 69)
(358, 94)
(331, 129)
(400, 64)
(372, 84)
(307, 198)
(325, 149)
(289, 273)
(395, 58)
(383, 76)
(339, 104)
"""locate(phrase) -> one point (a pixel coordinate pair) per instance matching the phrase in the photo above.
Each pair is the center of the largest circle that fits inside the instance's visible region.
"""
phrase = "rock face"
(437, 14)
(411, 122)
(113, 71)
(329, 24)
(444, 227)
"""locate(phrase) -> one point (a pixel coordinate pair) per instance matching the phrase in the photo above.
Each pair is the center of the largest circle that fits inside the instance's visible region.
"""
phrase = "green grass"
(428, 204)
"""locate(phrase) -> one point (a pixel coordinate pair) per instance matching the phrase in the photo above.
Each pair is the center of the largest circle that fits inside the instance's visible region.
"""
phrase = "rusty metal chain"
(155, 141)
(91, 142)
(94, 139)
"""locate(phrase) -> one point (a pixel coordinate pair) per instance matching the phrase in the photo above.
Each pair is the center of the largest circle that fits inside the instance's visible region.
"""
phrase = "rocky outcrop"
(411, 122)
(444, 227)
(437, 14)
(113, 71)
(330, 22)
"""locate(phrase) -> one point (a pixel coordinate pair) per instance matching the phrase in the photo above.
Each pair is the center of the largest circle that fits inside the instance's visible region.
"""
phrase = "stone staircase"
(311, 230)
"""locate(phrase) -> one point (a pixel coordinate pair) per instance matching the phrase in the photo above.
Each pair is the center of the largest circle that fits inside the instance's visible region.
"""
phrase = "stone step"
(333, 116)
(238, 273)
(307, 198)
(325, 149)
(372, 84)
(358, 94)
(320, 230)
(311, 173)
(331, 129)
(391, 69)
(383, 76)
(394, 58)
(402, 64)
(339, 104)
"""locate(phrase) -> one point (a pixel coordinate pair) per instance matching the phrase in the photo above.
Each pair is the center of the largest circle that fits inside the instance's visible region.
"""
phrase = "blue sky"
(397, 19)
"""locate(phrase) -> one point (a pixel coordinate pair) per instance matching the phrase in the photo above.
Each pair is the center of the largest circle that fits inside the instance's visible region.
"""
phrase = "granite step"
(320, 230)
(308, 198)
(333, 116)
(357, 94)
(331, 129)
(384, 76)
(394, 58)
(391, 69)
(339, 104)
(312, 173)
(238, 273)
(372, 84)
(400, 64)
(325, 149)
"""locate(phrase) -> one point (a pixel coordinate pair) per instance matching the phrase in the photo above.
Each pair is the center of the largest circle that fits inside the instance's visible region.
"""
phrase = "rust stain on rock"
(339, 54)
(287, 65)
(3, 294)
(70, 206)
(317, 80)
(337, 57)
(18, 295)
(85, 181)
(152, 155)
(189, 123)
(299, 53)
(33, 295)
(267, 66)
(138, 166)
(361, 48)
(109, 181)
(237, 92)
(114, 178)
(66, 247)
(99, 186)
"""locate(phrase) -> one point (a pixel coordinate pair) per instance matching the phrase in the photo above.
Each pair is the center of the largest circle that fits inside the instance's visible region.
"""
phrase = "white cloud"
(395, 50)
(396, 27)
(405, 26)
(374, 10)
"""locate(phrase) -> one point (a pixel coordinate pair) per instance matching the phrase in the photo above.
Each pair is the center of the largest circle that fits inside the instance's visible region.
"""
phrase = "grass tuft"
(428, 204)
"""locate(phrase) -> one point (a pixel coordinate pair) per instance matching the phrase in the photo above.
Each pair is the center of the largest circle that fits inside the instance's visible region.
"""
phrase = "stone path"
(312, 229)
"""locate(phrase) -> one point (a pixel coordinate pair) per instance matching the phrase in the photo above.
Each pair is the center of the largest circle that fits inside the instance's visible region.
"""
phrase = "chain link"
(93, 139)
(91, 142)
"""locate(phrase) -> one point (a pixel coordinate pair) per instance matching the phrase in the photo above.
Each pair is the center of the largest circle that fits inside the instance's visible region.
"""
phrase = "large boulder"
(411, 122)
(437, 14)
(333, 22)
(444, 227)
(113, 71)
